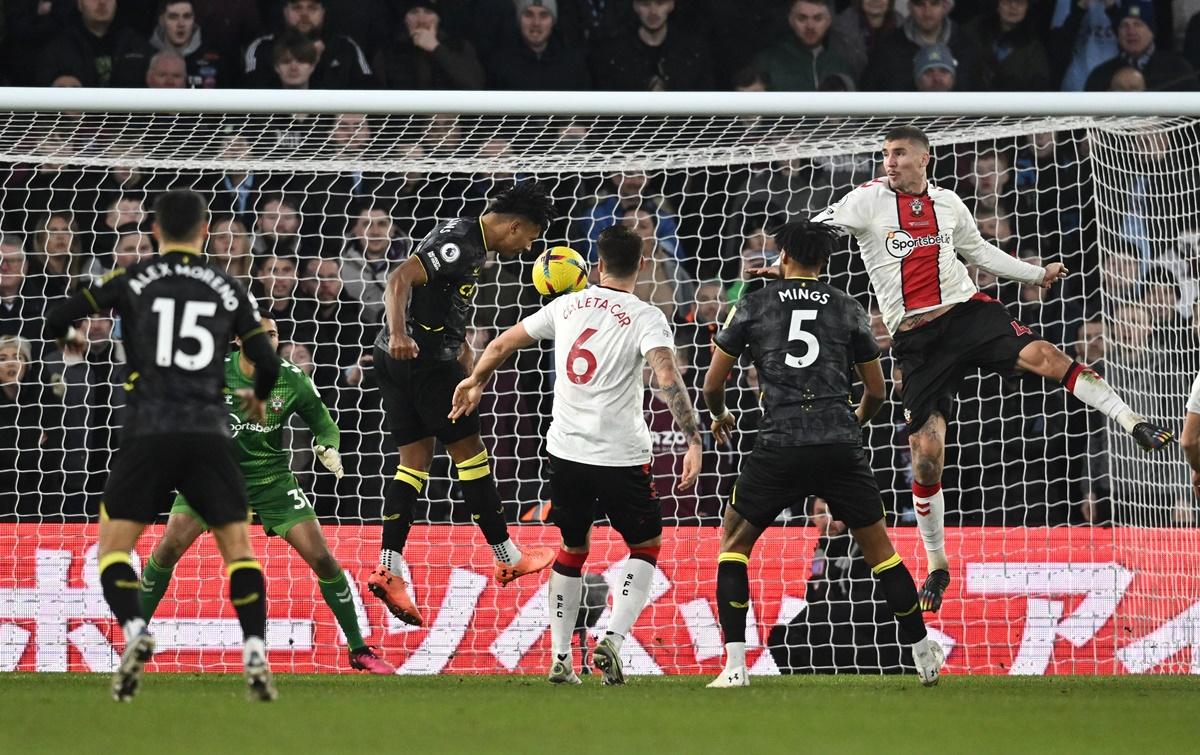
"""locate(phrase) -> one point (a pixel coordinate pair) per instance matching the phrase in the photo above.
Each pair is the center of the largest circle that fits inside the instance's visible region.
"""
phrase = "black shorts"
(776, 478)
(933, 358)
(417, 395)
(626, 495)
(201, 466)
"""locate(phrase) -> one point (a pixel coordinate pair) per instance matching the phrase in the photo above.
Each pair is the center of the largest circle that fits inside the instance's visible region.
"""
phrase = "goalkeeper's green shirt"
(261, 453)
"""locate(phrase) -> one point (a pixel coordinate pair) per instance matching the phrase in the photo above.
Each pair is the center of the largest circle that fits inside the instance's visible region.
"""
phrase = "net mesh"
(1069, 544)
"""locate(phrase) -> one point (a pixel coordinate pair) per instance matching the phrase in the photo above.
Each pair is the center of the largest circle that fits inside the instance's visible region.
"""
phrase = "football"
(559, 270)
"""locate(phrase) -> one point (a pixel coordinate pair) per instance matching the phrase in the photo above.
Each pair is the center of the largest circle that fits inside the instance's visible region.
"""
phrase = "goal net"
(1072, 551)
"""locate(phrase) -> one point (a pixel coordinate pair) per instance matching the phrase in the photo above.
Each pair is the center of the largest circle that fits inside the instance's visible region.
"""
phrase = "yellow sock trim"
(888, 563)
(114, 557)
(413, 477)
(246, 563)
(103, 512)
(239, 602)
(475, 467)
(740, 558)
(478, 458)
(901, 614)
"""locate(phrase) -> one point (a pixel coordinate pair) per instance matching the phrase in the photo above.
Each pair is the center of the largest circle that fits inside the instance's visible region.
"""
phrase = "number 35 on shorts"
(298, 496)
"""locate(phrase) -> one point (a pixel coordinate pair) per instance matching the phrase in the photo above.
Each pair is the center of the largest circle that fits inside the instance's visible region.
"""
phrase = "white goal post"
(1072, 551)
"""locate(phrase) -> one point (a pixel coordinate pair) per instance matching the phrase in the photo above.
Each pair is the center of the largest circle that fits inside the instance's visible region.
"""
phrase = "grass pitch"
(191, 713)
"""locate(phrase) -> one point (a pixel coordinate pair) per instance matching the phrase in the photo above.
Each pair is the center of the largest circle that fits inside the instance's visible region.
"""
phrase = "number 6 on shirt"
(578, 352)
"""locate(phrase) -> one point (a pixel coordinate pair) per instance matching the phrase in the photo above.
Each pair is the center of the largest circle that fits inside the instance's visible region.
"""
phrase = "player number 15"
(796, 332)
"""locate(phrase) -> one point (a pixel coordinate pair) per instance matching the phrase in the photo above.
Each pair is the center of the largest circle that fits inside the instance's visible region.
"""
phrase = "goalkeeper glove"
(330, 459)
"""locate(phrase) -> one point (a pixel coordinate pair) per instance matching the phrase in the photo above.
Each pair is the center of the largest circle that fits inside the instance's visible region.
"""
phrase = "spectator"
(425, 55)
(167, 70)
(1127, 79)
(661, 281)
(934, 69)
(757, 252)
(20, 304)
(928, 23)
(1162, 69)
(1081, 38)
(810, 55)
(274, 287)
(177, 31)
(370, 254)
(629, 193)
(989, 189)
(861, 26)
(277, 229)
(696, 329)
(25, 409)
(229, 248)
(96, 51)
(119, 209)
(57, 259)
(1013, 55)
(749, 79)
(32, 26)
(294, 59)
(541, 60)
(654, 57)
(229, 24)
(337, 336)
(133, 245)
(341, 63)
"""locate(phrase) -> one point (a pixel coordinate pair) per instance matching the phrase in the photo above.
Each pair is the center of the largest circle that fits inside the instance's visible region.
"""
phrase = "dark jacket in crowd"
(1164, 71)
(343, 65)
(1010, 61)
(453, 64)
(118, 59)
(792, 67)
(207, 68)
(558, 67)
(680, 63)
(890, 68)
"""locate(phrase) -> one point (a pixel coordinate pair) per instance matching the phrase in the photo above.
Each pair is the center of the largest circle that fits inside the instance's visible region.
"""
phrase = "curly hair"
(807, 242)
(526, 199)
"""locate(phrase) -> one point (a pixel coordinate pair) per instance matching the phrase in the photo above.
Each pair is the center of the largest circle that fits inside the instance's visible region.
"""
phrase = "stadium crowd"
(315, 248)
(622, 45)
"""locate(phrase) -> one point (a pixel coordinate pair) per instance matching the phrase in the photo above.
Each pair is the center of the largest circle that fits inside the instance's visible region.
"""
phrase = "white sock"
(391, 560)
(931, 513)
(563, 596)
(1092, 390)
(920, 648)
(506, 552)
(133, 628)
(735, 654)
(253, 646)
(630, 597)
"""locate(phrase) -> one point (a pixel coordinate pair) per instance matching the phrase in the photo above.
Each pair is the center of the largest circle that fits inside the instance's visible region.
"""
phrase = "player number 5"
(576, 353)
(796, 332)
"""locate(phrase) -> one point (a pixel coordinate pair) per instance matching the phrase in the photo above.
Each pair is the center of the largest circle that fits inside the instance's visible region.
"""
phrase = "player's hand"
(764, 272)
(403, 347)
(466, 398)
(424, 38)
(330, 459)
(1054, 271)
(723, 428)
(691, 467)
(253, 408)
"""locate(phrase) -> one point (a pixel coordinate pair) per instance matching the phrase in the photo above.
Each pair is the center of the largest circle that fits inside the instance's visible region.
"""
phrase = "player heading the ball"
(598, 442)
(420, 357)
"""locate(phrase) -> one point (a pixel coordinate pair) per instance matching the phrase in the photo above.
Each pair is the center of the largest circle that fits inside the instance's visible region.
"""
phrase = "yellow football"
(559, 270)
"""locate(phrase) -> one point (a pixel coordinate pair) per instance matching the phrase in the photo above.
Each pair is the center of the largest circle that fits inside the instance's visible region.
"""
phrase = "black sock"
(121, 586)
(901, 594)
(248, 593)
(482, 499)
(399, 501)
(733, 595)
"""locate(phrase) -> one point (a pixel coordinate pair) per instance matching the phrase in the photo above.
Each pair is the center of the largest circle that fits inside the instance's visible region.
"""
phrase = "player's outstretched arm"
(470, 390)
(969, 243)
(670, 382)
(723, 421)
(315, 414)
(395, 303)
(874, 390)
(61, 318)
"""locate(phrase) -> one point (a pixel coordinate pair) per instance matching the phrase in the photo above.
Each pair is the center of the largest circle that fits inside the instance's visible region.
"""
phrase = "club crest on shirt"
(276, 404)
(917, 207)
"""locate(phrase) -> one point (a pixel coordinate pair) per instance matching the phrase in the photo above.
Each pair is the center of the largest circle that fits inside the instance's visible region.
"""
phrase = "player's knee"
(927, 468)
(325, 566)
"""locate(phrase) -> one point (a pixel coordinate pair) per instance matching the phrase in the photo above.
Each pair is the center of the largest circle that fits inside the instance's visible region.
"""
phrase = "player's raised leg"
(733, 595)
(900, 592)
(120, 585)
(308, 540)
(928, 446)
(400, 500)
(184, 526)
(248, 593)
(487, 511)
(1045, 359)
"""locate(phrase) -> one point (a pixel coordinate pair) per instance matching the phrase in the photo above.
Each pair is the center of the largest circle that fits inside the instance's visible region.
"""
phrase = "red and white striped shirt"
(911, 244)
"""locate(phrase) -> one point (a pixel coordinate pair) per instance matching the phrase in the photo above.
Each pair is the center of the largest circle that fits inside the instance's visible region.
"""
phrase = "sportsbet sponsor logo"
(237, 426)
(900, 244)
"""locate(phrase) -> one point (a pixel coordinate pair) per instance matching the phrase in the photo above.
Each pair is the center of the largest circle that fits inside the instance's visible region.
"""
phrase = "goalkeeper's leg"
(928, 446)
(308, 540)
(183, 528)
(487, 511)
(1045, 359)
